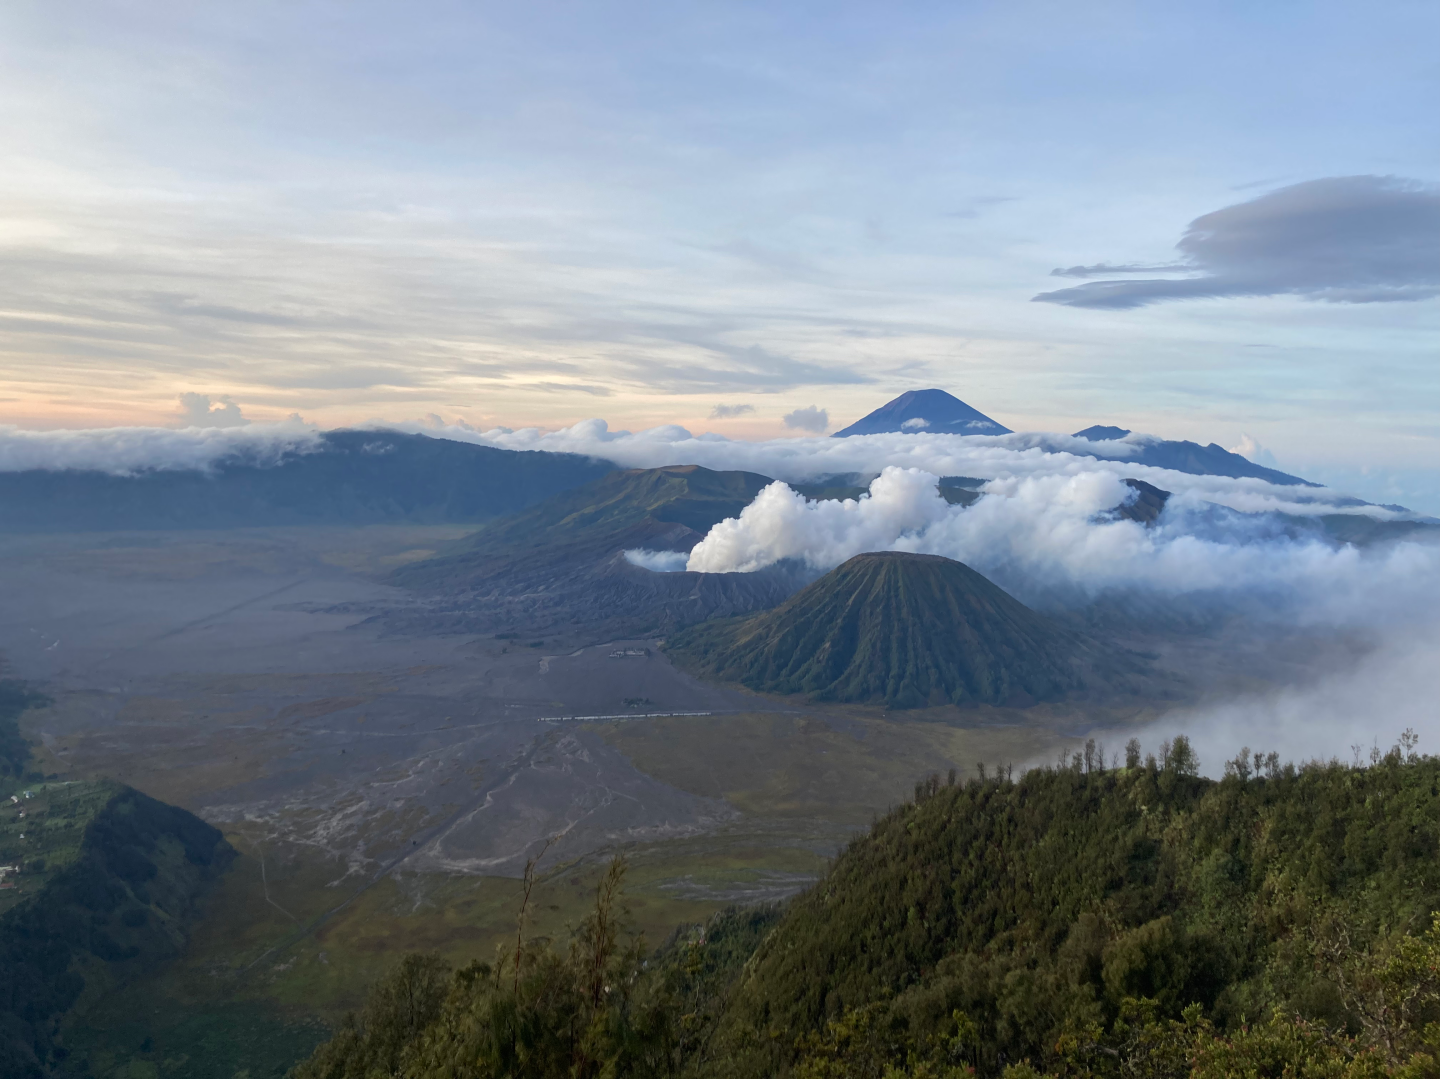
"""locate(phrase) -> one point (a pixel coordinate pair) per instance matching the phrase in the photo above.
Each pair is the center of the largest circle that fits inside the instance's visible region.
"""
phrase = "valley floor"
(385, 790)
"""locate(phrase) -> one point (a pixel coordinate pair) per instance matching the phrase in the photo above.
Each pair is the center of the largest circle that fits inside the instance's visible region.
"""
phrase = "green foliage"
(905, 630)
(110, 900)
(536, 1013)
(15, 698)
(1038, 908)
(1117, 924)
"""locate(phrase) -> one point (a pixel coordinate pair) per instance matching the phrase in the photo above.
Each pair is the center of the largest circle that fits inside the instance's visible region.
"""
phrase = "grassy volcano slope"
(907, 630)
(667, 508)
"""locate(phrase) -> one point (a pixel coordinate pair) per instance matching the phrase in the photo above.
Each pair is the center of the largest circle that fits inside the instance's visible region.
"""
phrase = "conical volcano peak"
(902, 630)
(929, 411)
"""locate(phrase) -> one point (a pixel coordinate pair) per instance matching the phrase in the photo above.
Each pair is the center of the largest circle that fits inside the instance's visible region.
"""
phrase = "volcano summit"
(903, 630)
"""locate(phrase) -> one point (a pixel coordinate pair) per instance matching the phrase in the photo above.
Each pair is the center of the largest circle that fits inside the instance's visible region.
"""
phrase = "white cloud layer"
(127, 450)
(1050, 535)
(804, 460)
(1341, 714)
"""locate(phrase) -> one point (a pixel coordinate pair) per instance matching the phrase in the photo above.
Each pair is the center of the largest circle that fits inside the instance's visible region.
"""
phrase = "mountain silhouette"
(931, 411)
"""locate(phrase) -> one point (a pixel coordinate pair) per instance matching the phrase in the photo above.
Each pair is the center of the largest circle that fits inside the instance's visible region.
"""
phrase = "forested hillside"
(1088, 919)
(98, 883)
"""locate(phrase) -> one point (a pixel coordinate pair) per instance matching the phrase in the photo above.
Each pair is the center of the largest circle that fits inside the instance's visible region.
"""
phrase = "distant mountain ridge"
(934, 411)
(906, 631)
(1188, 457)
(925, 411)
(353, 478)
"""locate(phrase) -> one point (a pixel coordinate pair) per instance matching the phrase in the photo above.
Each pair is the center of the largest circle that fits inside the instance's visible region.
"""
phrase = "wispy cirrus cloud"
(1343, 239)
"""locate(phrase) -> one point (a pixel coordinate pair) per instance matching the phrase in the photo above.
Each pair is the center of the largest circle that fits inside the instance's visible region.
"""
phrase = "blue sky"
(530, 214)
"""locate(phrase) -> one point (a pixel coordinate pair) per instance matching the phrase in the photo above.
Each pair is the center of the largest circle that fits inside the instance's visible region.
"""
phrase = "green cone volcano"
(905, 630)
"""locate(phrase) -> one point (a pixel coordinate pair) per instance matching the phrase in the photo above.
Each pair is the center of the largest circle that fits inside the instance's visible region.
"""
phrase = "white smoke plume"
(656, 561)
(1054, 533)
(782, 524)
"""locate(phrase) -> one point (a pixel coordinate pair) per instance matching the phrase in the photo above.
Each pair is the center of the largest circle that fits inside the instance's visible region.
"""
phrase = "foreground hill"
(905, 630)
(1038, 907)
(101, 884)
(1087, 920)
(348, 477)
(98, 883)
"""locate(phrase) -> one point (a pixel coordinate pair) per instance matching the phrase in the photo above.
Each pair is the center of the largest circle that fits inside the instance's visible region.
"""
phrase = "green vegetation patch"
(1043, 910)
(15, 698)
(787, 766)
(1135, 922)
(104, 886)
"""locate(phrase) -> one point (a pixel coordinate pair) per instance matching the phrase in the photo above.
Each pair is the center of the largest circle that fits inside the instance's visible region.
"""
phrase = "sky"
(726, 215)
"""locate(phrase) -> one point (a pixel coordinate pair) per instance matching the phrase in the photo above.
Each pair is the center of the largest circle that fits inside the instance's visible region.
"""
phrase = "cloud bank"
(1344, 239)
(805, 460)
(198, 410)
(1342, 714)
(124, 451)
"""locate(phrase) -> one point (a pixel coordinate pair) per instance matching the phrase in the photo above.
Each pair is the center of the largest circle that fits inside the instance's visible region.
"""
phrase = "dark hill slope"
(1035, 907)
(562, 562)
(1188, 457)
(906, 630)
(350, 478)
(107, 886)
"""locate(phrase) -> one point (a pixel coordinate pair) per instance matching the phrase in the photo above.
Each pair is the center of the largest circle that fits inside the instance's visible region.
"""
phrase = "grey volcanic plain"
(385, 786)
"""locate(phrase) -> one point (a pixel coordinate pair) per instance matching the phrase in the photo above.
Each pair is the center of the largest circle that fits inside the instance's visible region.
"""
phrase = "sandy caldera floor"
(372, 780)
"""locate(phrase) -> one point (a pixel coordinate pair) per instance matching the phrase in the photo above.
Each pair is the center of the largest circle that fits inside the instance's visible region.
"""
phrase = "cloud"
(199, 410)
(1251, 450)
(1344, 239)
(726, 412)
(808, 419)
(804, 460)
(124, 451)
(1101, 268)
(568, 387)
(1347, 711)
(1049, 540)
(915, 423)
